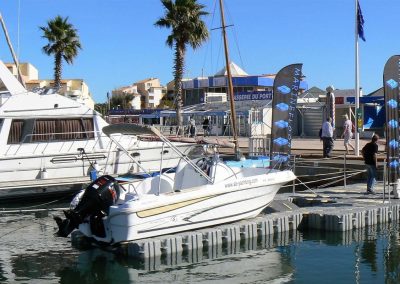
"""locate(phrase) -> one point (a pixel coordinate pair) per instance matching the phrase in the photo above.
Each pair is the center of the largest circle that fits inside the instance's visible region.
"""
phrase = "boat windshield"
(195, 151)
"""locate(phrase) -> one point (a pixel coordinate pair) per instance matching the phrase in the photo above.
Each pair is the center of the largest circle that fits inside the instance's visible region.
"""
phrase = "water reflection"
(376, 252)
(30, 253)
(97, 266)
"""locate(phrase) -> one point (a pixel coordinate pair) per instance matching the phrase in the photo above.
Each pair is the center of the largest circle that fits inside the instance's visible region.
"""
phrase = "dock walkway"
(312, 147)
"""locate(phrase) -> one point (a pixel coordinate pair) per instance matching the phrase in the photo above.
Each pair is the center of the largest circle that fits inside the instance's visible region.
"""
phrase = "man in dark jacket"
(369, 152)
(327, 138)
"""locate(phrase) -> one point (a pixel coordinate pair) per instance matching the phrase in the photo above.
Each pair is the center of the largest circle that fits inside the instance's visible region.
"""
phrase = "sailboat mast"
(230, 84)
(12, 50)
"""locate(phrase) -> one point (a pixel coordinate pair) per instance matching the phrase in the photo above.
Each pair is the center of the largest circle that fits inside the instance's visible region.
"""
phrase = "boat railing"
(4, 96)
(183, 156)
(132, 189)
(174, 130)
(49, 139)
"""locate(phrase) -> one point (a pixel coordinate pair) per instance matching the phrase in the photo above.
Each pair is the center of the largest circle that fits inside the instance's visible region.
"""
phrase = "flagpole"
(357, 87)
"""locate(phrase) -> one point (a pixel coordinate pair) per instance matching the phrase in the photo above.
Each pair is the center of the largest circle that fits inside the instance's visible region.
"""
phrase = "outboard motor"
(95, 203)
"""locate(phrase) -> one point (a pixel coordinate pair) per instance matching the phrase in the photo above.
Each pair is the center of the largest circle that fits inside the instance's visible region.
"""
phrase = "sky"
(121, 45)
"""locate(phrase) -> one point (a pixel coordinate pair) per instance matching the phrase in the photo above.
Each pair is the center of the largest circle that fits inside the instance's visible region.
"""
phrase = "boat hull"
(211, 205)
(22, 177)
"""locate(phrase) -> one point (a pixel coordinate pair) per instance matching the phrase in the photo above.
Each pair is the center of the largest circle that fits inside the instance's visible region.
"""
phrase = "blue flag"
(360, 22)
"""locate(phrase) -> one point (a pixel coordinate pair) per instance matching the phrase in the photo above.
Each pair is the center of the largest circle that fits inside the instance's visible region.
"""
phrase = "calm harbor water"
(29, 253)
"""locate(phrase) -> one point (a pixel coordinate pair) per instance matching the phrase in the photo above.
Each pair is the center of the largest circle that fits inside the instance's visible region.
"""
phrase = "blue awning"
(365, 100)
(152, 115)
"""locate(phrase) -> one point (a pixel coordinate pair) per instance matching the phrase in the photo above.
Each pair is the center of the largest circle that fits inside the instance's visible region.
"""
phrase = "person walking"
(192, 129)
(327, 138)
(206, 125)
(347, 133)
(369, 152)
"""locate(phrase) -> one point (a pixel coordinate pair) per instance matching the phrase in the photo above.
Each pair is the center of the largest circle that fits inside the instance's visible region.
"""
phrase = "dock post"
(384, 180)
(344, 170)
(294, 171)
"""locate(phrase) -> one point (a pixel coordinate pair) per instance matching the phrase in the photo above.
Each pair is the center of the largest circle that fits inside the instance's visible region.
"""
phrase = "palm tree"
(183, 17)
(63, 44)
(123, 100)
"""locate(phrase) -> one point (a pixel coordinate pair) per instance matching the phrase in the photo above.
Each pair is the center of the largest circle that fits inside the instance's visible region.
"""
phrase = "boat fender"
(99, 170)
(43, 173)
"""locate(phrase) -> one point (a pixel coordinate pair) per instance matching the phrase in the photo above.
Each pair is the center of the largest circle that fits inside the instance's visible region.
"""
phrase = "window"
(44, 130)
(14, 137)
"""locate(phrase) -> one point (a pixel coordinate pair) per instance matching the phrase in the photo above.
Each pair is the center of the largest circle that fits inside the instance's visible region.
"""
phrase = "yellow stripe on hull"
(166, 208)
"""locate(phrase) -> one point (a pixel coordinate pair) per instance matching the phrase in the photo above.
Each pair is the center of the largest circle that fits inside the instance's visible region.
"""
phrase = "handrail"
(184, 157)
(53, 134)
(338, 174)
(127, 153)
(96, 137)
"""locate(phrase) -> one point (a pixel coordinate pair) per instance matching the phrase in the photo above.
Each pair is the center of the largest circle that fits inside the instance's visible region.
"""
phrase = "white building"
(75, 89)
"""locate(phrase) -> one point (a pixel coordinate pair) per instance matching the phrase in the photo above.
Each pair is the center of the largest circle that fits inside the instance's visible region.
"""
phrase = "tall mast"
(230, 85)
(12, 50)
(357, 86)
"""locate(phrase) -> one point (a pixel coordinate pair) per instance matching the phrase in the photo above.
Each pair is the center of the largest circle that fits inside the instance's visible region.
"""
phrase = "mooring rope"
(26, 209)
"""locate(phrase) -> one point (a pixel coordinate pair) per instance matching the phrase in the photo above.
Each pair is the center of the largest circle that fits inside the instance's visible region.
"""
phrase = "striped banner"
(391, 79)
(284, 101)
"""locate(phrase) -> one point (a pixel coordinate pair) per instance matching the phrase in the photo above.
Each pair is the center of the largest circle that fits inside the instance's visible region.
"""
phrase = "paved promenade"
(313, 146)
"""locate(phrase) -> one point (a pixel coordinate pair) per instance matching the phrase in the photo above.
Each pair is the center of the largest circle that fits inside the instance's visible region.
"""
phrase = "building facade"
(130, 90)
(151, 92)
(147, 93)
(75, 89)
(214, 88)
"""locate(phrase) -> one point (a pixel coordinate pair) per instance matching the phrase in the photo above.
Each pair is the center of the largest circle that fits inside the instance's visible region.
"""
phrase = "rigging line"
(18, 27)
(38, 205)
(214, 66)
(219, 52)
(17, 229)
(211, 41)
(335, 181)
(33, 222)
(220, 56)
(24, 211)
(332, 173)
(221, 43)
(235, 36)
(339, 177)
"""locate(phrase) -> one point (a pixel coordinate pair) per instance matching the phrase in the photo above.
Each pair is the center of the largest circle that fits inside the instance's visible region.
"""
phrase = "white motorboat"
(201, 192)
(50, 143)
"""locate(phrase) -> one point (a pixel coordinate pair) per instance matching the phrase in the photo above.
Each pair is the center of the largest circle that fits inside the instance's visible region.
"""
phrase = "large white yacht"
(50, 143)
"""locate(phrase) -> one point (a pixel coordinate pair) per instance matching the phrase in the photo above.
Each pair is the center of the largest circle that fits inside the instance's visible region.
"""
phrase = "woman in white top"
(347, 133)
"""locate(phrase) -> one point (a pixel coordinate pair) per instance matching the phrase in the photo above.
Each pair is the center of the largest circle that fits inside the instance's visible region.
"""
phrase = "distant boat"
(200, 192)
(50, 144)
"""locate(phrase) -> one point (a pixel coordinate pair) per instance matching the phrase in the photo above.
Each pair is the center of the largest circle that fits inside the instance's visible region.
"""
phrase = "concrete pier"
(337, 209)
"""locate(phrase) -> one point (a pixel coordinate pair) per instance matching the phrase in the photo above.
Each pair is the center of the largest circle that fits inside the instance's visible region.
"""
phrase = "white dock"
(331, 209)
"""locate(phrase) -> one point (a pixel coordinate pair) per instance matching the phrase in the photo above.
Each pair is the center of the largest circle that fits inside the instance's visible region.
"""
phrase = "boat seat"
(166, 186)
